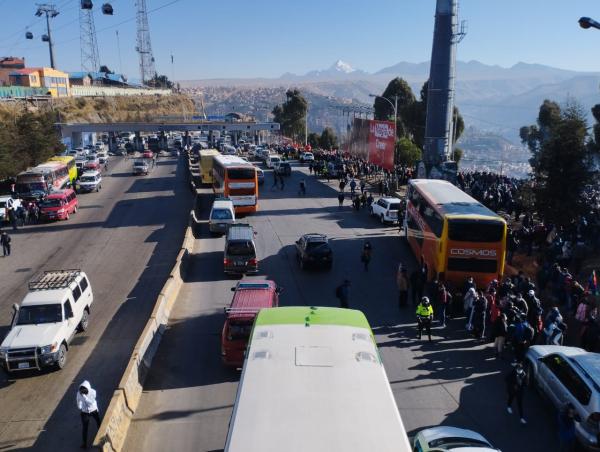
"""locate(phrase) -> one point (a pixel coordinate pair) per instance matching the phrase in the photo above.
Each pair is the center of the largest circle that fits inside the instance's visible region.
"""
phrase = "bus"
(206, 157)
(313, 381)
(236, 179)
(453, 234)
(68, 160)
(39, 181)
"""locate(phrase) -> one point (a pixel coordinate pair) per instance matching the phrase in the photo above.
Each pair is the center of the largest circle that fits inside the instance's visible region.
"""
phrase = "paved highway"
(189, 395)
(126, 238)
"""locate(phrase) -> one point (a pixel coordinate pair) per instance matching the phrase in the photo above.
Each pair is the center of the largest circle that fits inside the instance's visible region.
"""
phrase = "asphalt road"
(189, 395)
(126, 238)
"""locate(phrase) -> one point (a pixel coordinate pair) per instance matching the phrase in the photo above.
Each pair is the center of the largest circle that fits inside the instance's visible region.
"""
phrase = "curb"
(112, 433)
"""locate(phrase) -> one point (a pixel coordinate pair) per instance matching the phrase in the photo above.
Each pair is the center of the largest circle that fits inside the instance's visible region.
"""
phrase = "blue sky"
(265, 38)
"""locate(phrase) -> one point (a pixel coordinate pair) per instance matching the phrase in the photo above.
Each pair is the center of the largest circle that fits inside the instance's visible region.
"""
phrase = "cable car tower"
(144, 47)
(90, 58)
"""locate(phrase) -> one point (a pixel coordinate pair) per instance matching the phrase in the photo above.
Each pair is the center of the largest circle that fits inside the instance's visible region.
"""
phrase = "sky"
(266, 38)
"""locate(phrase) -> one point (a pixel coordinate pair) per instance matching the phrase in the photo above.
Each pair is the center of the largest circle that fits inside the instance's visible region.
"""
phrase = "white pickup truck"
(55, 308)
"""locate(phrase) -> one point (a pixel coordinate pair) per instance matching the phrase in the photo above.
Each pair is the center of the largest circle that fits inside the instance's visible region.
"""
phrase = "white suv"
(55, 308)
(307, 157)
(386, 209)
(90, 181)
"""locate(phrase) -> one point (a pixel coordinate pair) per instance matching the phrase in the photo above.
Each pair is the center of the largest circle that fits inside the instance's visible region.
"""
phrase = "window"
(433, 220)
(83, 284)
(68, 310)
(76, 293)
(414, 229)
(569, 378)
(475, 230)
(241, 173)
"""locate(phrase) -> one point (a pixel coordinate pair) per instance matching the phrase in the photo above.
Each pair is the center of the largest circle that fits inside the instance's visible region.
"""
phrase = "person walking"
(499, 332)
(443, 298)
(88, 408)
(515, 386)
(566, 428)
(302, 190)
(340, 199)
(275, 180)
(5, 241)
(424, 317)
(342, 292)
(402, 283)
(365, 256)
(363, 184)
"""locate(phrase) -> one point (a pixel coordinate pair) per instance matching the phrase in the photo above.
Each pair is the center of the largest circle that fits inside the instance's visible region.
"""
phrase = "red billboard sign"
(382, 139)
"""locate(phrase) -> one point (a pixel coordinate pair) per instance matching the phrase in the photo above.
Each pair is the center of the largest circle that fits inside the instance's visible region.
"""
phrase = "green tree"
(328, 139)
(292, 115)
(407, 152)
(534, 136)
(561, 162)
(457, 154)
(383, 109)
(159, 81)
(314, 139)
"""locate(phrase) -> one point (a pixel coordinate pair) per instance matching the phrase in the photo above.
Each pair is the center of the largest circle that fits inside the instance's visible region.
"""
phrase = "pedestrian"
(281, 182)
(499, 331)
(515, 386)
(86, 402)
(340, 199)
(443, 298)
(342, 292)
(424, 317)
(274, 186)
(302, 190)
(352, 186)
(365, 256)
(402, 283)
(566, 428)
(363, 184)
(342, 185)
(5, 240)
(380, 187)
(478, 318)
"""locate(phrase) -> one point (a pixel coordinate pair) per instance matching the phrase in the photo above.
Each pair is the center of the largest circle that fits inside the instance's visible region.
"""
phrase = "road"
(189, 395)
(126, 238)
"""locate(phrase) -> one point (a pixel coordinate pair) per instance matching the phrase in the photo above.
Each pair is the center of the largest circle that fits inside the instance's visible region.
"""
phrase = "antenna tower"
(144, 47)
(90, 58)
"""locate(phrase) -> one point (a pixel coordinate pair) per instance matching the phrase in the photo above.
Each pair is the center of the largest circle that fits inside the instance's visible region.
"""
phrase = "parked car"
(283, 168)
(239, 255)
(140, 167)
(56, 306)
(307, 157)
(222, 216)
(59, 205)
(442, 439)
(313, 250)
(569, 375)
(90, 181)
(386, 209)
(249, 297)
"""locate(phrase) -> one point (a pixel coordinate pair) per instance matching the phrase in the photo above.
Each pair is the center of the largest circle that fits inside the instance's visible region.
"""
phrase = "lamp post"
(394, 106)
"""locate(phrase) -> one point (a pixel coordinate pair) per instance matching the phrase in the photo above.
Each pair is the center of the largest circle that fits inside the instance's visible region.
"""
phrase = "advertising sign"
(382, 138)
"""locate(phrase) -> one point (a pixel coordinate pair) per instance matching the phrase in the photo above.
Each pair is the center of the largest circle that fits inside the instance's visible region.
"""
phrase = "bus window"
(433, 220)
(475, 231)
(241, 173)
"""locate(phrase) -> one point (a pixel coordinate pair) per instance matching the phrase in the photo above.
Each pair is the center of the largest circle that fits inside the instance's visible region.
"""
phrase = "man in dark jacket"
(343, 293)
(515, 386)
(5, 241)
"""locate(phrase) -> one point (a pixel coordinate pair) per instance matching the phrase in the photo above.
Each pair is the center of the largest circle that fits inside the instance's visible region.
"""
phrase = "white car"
(272, 161)
(103, 157)
(90, 181)
(307, 157)
(441, 439)
(7, 202)
(386, 209)
(55, 308)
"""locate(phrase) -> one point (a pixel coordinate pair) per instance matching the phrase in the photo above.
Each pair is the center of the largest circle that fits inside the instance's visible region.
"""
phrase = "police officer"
(424, 316)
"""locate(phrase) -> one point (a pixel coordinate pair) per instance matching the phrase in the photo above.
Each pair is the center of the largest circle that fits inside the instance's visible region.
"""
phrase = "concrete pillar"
(77, 140)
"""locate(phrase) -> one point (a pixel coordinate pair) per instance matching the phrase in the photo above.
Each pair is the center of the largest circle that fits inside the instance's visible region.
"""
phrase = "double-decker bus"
(313, 381)
(68, 160)
(453, 234)
(236, 179)
(206, 157)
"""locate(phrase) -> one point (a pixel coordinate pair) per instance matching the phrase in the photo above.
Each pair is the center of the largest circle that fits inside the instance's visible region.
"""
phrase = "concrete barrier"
(125, 400)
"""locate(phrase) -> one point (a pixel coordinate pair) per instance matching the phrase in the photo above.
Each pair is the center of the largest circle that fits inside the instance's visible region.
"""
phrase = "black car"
(313, 250)
(285, 169)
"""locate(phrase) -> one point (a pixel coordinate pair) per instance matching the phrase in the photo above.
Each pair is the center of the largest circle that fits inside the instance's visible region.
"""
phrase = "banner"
(373, 141)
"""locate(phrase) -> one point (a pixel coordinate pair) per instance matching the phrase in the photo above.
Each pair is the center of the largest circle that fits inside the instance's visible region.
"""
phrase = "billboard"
(373, 141)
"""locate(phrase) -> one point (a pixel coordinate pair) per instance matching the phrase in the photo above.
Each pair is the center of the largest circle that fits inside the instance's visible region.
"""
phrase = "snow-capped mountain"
(340, 70)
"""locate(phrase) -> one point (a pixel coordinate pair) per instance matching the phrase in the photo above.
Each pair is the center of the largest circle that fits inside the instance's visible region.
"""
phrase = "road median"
(125, 400)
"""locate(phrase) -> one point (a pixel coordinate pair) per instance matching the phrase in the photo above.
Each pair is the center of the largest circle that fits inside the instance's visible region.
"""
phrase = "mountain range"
(490, 97)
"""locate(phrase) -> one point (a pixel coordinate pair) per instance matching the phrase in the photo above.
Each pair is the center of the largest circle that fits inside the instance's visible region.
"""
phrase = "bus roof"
(62, 158)
(319, 388)
(449, 199)
(231, 160)
(208, 152)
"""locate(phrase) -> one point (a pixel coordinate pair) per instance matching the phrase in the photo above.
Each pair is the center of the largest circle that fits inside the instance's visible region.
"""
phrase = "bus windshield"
(475, 230)
(241, 173)
(31, 187)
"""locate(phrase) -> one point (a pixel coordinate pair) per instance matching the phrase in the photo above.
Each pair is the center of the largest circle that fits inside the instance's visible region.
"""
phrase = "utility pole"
(144, 46)
(90, 57)
(51, 12)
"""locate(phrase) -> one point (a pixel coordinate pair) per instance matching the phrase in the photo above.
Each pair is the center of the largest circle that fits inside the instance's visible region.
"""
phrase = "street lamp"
(588, 22)
(394, 106)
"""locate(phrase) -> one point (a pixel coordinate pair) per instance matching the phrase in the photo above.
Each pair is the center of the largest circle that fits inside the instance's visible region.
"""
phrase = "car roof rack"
(55, 279)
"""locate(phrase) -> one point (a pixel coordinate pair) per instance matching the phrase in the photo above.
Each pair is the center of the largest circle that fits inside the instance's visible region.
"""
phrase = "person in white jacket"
(86, 402)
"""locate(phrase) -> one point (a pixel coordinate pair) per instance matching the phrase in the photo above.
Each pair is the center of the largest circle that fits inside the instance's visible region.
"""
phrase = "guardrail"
(125, 400)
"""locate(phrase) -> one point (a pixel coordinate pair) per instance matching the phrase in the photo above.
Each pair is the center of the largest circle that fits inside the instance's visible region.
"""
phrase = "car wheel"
(61, 360)
(85, 321)
(382, 218)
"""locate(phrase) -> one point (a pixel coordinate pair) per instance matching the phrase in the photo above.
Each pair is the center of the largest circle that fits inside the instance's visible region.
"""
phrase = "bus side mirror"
(15, 307)
(233, 289)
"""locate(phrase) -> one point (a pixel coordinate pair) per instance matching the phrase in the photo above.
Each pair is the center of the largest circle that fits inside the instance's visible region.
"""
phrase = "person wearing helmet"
(424, 316)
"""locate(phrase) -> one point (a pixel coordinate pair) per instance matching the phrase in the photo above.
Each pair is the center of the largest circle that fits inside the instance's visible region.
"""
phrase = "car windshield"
(91, 157)
(45, 313)
(51, 203)
(87, 179)
(314, 245)
(243, 248)
(221, 214)
(239, 331)
(139, 164)
(394, 206)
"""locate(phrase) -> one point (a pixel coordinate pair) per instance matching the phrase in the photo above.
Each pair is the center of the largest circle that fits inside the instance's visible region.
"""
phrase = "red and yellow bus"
(236, 179)
(453, 234)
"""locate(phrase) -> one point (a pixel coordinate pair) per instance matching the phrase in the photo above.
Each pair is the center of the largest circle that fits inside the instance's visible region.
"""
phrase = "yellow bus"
(206, 159)
(453, 234)
(68, 160)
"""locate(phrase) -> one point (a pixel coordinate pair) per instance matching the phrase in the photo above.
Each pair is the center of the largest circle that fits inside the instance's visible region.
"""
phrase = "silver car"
(569, 375)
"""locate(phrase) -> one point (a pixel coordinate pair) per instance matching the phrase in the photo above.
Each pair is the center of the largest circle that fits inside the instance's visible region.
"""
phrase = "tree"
(159, 81)
(328, 139)
(314, 139)
(292, 115)
(560, 162)
(533, 136)
(383, 109)
(457, 154)
(407, 152)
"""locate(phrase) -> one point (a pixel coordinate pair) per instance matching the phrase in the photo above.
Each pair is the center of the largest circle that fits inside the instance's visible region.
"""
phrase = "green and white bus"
(313, 381)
